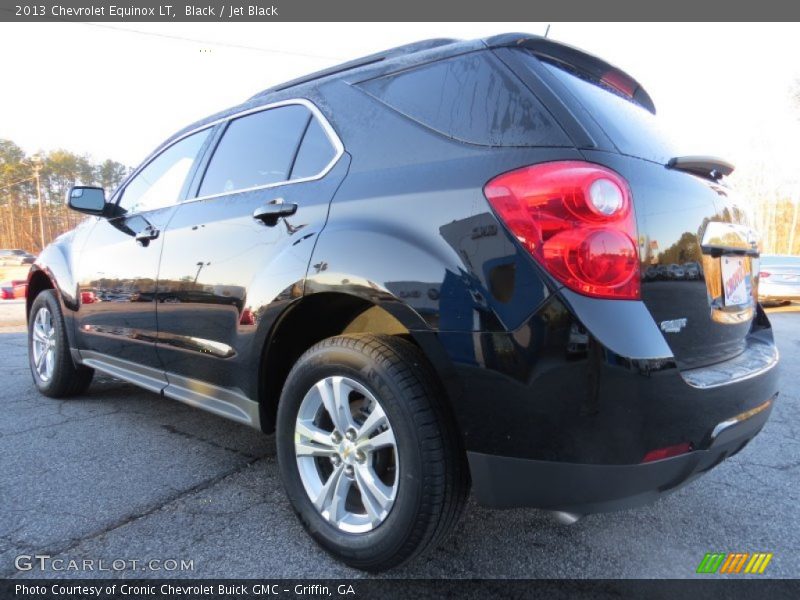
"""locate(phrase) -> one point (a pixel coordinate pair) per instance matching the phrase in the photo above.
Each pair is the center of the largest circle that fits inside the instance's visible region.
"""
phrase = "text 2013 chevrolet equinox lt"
(434, 268)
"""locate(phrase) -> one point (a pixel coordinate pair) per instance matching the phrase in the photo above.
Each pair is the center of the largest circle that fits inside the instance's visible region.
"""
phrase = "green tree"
(109, 174)
(60, 169)
(16, 184)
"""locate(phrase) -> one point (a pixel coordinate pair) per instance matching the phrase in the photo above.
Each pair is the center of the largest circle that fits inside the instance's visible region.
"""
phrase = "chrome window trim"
(330, 132)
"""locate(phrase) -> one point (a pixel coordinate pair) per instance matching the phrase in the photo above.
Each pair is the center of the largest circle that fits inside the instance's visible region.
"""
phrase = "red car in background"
(13, 289)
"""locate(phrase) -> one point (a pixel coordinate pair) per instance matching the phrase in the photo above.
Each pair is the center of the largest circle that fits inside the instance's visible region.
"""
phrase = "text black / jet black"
(449, 263)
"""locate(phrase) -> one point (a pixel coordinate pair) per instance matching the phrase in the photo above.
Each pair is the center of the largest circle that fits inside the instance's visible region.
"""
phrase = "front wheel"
(367, 452)
(53, 371)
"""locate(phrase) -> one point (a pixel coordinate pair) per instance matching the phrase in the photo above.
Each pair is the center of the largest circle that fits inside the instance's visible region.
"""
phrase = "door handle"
(145, 235)
(274, 210)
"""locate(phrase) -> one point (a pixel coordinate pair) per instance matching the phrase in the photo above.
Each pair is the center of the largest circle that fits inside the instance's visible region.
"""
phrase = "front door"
(239, 248)
(118, 266)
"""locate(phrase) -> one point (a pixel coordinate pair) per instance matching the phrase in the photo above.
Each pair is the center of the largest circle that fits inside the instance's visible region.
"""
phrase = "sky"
(116, 90)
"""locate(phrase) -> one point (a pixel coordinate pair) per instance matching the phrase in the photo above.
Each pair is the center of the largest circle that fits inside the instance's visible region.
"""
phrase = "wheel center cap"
(347, 451)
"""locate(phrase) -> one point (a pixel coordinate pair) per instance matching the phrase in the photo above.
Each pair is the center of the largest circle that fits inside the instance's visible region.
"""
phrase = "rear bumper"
(560, 415)
(507, 482)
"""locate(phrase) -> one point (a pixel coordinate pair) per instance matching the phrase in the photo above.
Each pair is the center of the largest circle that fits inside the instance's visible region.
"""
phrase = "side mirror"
(87, 199)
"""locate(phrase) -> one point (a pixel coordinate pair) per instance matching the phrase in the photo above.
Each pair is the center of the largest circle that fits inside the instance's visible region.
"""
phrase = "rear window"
(472, 98)
(632, 129)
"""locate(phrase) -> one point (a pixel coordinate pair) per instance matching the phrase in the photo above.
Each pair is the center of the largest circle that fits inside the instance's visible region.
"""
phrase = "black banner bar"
(403, 10)
(417, 589)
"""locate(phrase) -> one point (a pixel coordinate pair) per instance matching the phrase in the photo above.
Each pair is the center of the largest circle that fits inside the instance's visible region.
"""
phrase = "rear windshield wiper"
(704, 166)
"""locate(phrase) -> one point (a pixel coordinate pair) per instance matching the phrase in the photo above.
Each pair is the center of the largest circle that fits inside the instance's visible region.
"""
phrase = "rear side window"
(315, 153)
(473, 98)
(256, 150)
(631, 128)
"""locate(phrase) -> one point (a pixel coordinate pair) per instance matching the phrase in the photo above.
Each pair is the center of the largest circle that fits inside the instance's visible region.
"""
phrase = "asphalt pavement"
(122, 474)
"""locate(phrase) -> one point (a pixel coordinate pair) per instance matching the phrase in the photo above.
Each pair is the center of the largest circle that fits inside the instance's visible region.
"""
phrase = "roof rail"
(361, 62)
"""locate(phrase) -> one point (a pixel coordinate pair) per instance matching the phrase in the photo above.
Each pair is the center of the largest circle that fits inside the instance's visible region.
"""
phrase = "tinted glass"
(159, 184)
(315, 153)
(633, 130)
(256, 150)
(473, 98)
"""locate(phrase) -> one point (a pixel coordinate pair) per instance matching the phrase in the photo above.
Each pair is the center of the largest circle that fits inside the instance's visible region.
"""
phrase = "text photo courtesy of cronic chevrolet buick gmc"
(444, 269)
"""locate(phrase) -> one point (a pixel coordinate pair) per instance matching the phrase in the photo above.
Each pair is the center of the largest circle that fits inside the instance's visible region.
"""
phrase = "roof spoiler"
(706, 166)
(578, 59)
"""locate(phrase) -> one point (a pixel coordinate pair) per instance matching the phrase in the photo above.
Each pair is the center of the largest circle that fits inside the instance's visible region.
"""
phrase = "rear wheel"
(367, 453)
(54, 372)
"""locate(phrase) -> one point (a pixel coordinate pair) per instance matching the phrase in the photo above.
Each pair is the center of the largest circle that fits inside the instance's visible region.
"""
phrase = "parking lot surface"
(121, 473)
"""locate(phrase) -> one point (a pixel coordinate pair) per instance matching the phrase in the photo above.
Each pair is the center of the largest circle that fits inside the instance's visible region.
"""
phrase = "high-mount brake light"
(576, 219)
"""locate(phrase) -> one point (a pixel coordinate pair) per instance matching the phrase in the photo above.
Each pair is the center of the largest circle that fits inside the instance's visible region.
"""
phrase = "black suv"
(425, 270)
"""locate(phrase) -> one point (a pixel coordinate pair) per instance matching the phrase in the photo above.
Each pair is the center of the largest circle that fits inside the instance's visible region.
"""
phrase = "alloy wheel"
(346, 454)
(43, 340)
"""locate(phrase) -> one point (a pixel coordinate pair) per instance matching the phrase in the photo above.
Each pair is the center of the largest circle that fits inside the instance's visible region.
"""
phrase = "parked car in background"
(422, 270)
(15, 258)
(10, 290)
(676, 272)
(779, 279)
(692, 270)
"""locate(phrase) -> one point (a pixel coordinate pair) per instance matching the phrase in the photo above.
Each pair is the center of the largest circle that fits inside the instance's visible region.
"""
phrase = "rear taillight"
(764, 274)
(576, 219)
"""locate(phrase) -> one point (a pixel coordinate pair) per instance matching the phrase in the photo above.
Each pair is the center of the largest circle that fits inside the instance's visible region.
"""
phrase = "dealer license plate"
(735, 280)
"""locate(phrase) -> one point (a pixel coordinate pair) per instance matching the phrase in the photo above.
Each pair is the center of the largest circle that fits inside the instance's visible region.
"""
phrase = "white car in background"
(779, 279)
(15, 257)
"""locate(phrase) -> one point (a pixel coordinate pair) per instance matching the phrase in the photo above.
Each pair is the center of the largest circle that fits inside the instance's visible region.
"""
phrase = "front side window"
(256, 150)
(159, 184)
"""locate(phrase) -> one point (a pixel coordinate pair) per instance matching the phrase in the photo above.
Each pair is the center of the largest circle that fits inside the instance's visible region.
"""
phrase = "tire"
(425, 468)
(56, 375)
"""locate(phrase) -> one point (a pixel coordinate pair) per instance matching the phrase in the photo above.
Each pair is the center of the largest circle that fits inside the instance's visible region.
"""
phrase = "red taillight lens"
(764, 274)
(577, 221)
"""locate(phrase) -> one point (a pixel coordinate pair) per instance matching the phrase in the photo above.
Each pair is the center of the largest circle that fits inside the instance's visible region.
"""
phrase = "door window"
(256, 150)
(160, 183)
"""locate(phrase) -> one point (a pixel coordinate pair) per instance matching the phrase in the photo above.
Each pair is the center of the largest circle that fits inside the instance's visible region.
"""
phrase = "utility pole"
(37, 164)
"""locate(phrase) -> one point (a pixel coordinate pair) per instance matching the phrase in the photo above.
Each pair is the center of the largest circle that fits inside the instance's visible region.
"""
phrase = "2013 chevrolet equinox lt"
(429, 269)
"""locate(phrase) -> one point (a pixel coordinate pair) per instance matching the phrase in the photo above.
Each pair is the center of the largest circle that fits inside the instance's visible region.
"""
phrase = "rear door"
(696, 249)
(118, 266)
(241, 246)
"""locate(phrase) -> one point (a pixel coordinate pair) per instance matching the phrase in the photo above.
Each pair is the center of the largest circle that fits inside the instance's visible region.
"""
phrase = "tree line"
(35, 213)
